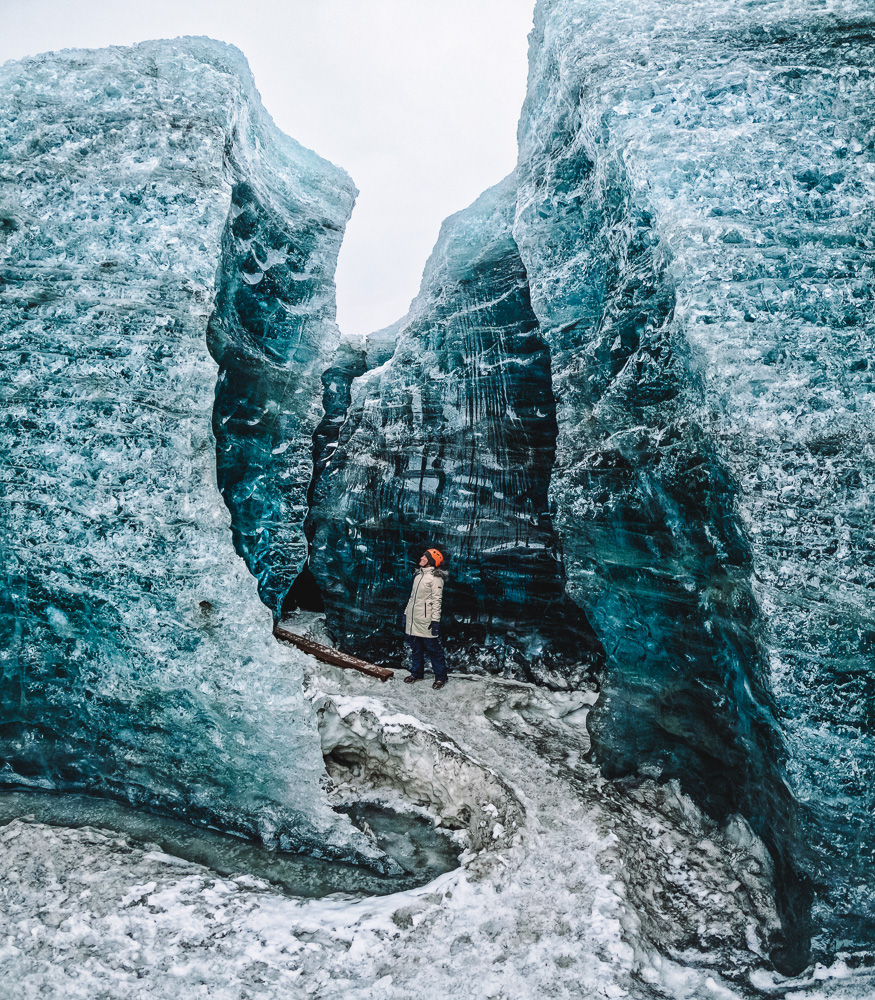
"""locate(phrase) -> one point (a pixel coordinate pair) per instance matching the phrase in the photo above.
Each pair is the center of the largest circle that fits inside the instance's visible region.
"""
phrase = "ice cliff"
(151, 215)
(632, 402)
(635, 395)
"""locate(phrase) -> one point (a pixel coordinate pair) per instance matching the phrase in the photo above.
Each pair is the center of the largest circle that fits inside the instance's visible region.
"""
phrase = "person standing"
(422, 620)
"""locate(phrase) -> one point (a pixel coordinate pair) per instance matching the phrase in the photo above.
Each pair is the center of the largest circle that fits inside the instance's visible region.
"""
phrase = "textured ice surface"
(138, 189)
(695, 218)
(690, 257)
(599, 894)
(642, 365)
(273, 334)
(450, 443)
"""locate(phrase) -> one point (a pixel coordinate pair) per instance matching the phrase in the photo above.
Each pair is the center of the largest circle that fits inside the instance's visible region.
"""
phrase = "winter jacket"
(424, 606)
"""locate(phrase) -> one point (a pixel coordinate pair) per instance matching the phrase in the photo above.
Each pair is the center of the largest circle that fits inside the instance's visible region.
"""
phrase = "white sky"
(417, 99)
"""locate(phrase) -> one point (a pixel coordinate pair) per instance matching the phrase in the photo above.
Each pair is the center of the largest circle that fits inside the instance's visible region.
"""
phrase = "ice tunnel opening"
(304, 595)
(267, 447)
(508, 587)
(453, 453)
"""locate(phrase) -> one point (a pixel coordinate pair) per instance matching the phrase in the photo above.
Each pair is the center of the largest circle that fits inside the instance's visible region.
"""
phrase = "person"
(422, 620)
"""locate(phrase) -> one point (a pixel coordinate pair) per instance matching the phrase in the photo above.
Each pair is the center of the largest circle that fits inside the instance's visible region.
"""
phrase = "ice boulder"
(166, 287)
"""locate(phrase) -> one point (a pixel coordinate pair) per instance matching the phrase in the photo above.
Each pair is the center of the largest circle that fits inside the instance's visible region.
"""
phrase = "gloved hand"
(435, 628)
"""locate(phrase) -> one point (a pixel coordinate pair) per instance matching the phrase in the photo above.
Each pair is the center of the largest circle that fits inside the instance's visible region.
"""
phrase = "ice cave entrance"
(304, 595)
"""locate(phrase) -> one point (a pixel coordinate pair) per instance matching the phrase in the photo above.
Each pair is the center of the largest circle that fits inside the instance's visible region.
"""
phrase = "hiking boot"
(410, 679)
(438, 685)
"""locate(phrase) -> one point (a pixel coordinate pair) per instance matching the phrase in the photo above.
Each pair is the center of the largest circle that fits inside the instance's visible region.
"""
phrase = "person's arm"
(437, 598)
(406, 610)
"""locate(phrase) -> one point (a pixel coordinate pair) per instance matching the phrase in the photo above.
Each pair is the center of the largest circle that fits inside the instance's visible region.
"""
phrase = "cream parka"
(424, 606)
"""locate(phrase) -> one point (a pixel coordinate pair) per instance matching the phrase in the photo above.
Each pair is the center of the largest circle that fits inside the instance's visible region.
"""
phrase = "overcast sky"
(417, 99)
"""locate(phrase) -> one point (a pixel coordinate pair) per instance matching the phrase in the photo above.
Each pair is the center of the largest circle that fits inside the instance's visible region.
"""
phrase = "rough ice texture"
(695, 217)
(367, 751)
(598, 894)
(273, 334)
(139, 188)
(685, 250)
(354, 356)
(688, 254)
(450, 443)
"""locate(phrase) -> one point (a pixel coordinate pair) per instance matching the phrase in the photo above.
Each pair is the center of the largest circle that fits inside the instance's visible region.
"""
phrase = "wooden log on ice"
(333, 656)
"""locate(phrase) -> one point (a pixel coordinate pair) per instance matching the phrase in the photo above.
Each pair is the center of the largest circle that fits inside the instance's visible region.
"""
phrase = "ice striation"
(635, 395)
(150, 211)
(450, 442)
(354, 356)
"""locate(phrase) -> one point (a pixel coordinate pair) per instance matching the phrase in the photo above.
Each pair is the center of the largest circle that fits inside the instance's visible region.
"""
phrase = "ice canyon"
(632, 402)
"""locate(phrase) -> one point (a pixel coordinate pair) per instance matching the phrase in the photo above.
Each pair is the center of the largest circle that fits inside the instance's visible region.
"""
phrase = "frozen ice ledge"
(164, 246)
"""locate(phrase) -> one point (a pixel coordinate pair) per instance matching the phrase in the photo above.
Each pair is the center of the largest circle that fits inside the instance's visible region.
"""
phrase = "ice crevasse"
(633, 402)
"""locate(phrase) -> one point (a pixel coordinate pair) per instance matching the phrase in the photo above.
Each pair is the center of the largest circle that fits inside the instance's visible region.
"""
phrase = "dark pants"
(419, 646)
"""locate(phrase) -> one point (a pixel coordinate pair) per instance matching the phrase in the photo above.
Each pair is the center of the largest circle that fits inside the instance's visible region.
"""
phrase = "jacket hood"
(442, 573)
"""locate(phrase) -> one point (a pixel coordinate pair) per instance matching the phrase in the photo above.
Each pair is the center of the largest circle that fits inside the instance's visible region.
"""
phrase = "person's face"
(423, 561)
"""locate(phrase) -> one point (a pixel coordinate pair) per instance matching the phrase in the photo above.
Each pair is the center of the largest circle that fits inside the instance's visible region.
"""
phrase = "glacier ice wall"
(450, 442)
(634, 398)
(144, 191)
(695, 218)
(273, 334)
(632, 401)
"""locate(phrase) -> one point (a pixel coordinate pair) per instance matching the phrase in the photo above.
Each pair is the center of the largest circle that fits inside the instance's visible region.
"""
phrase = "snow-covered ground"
(569, 887)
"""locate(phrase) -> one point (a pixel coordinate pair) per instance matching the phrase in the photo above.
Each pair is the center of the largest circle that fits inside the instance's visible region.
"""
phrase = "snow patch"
(367, 748)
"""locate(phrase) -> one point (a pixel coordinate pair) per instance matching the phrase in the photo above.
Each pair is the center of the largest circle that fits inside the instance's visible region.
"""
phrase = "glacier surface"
(149, 205)
(592, 892)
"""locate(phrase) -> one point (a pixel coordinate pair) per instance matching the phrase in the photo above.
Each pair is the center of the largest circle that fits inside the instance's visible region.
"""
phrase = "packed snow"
(597, 893)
